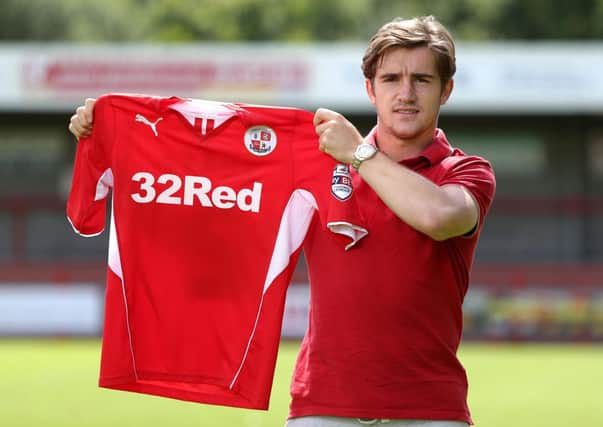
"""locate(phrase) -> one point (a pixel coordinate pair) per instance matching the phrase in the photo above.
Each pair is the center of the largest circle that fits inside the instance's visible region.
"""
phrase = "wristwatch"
(364, 151)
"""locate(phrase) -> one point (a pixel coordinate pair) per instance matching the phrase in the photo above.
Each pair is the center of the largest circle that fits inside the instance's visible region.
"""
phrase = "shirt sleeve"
(476, 175)
(92, 175)
(329, 182)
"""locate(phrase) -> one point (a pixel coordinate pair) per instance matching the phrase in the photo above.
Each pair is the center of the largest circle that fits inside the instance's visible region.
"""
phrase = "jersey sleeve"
(476, 175)
(92, 175)
(329, 182)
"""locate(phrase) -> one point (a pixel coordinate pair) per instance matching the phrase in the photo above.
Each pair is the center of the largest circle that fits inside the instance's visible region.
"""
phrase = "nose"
(406, 91)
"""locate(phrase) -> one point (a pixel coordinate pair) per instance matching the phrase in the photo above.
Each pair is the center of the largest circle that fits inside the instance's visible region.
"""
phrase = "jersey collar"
(439, 148)
(433, 154)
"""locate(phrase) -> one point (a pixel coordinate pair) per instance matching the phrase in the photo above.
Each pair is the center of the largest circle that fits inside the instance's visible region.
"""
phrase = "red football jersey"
(210, 205)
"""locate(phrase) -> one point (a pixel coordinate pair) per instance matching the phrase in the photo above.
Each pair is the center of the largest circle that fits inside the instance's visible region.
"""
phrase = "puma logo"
(153, 125)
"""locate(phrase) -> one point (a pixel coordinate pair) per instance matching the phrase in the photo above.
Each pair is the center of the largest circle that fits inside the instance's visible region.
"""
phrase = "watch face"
(364, 150)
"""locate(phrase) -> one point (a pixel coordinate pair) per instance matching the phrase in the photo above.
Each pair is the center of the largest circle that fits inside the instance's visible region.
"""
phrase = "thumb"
(89, 110)
(324, 115)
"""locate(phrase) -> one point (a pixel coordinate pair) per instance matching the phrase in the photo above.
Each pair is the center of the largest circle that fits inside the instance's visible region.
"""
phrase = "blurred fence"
(534, 110)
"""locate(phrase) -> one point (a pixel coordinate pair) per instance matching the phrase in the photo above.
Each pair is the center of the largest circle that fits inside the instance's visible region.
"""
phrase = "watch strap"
(357, 161)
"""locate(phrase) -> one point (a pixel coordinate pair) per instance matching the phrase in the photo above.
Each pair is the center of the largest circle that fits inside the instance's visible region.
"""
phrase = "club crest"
(341, 183)
(260, 140)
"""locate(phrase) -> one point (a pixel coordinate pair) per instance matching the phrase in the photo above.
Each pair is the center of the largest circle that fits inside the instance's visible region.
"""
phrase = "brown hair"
(411, 33)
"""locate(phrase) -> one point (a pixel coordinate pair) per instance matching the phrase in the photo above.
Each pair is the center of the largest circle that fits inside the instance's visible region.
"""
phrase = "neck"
(399, 149)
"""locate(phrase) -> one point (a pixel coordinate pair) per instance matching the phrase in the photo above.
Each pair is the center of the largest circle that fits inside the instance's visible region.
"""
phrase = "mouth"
(406, 111)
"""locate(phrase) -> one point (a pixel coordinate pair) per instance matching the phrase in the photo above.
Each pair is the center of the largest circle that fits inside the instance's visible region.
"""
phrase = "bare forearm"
(439, 212)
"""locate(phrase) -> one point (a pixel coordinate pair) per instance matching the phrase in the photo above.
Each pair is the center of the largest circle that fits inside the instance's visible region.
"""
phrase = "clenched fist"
(80, 123)
(337, 136)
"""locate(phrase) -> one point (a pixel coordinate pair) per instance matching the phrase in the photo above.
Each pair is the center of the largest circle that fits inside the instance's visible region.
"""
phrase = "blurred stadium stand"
(534, 110)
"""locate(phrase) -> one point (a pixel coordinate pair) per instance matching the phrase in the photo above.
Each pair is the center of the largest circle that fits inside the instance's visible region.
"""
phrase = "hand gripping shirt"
(210, 205)
(386, 317)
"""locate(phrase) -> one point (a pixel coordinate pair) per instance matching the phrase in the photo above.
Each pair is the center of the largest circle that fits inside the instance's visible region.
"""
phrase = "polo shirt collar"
(433, 154)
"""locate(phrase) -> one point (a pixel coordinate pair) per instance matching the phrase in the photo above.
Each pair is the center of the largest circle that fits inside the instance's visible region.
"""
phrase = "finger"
(89, 109)
(324, 126)
(323, 147)
(75, 123)
(325, 141)
(76, 128)
(323, 115)
(82, 117)
(74, 131)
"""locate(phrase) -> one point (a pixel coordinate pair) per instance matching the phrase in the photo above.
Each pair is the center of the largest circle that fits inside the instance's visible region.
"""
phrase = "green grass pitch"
(52, 383)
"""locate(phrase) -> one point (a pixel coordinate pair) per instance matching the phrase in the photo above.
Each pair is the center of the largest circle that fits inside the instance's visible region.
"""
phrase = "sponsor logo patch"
(191, 190)
(153, 125)
(260, 140)
(341, 183)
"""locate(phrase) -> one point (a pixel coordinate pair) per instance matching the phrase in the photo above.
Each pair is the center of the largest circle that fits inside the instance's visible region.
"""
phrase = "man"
(386, 317)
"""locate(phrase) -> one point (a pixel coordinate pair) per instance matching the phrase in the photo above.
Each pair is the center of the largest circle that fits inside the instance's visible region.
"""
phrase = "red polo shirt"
(385, 317)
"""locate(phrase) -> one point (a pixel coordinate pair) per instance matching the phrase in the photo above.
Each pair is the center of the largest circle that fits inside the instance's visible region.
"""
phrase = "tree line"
(290, 20)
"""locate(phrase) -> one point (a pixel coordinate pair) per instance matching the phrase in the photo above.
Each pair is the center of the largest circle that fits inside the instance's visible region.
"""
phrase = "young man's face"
(407, 94)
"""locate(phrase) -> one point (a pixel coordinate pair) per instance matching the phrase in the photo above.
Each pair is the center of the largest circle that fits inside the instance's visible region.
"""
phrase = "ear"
(446, 91)
(370, 91)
